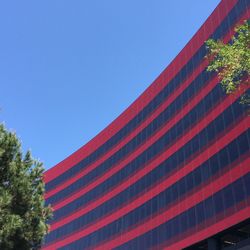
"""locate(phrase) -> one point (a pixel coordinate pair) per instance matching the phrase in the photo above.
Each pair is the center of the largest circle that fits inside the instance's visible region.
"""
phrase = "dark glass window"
(149, 131)
(227, 198)
(169, 165)
(164, 199)
(159, 99)
(169, 229)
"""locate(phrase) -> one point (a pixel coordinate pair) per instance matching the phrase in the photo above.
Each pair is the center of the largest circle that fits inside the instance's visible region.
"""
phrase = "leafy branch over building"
(232, 60)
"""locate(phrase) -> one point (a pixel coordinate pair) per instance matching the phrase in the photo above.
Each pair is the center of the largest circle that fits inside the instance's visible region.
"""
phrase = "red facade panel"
(172, 170)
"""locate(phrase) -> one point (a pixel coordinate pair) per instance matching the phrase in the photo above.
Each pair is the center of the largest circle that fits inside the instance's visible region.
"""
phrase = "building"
(171, 172)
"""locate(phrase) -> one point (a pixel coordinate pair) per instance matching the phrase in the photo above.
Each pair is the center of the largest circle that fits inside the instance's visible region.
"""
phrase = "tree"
(232, 60)
(23, 213)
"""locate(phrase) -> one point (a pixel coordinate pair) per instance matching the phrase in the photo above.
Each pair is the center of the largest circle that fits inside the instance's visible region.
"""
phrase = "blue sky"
(68, 68)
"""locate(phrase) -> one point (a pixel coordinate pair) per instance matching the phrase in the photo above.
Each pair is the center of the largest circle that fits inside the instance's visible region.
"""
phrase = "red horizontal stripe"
(227, 138)
(229, 221)
(140, 149)
(182, 58)
(165, 216)
(169, 100)
(204, 224)
(158, 134)
(155, 163)
(144, 124)
(180, 207)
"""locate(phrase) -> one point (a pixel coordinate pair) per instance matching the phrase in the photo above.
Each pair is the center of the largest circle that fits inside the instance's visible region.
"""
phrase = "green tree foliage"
(232, 60)
(23, 213)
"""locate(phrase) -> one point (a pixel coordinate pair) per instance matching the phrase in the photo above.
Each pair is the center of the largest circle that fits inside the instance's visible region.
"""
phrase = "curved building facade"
(171, 172)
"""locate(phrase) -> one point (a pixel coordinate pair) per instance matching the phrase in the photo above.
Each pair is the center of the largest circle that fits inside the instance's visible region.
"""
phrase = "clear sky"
(70, 67)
